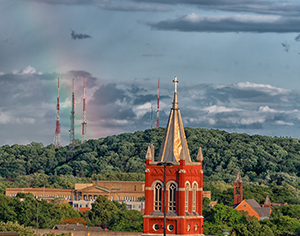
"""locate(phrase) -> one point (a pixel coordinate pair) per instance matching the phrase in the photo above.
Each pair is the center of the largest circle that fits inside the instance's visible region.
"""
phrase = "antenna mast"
(157, 111)
(57, 137)
(72, 135)
(151, 116)
(84, 122)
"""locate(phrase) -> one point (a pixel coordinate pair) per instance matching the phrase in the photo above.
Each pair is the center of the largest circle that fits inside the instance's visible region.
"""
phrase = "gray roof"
(261, 211)
(77, 227)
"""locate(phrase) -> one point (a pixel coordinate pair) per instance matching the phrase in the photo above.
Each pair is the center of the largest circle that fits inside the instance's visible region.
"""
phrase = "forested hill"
(260, 159)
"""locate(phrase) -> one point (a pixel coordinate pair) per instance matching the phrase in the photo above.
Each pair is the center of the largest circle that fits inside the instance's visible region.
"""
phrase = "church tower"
(238, 190)
(177, 177)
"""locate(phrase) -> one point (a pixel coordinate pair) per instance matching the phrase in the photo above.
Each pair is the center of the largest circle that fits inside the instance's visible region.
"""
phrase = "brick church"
(175, 175)
(251, 206)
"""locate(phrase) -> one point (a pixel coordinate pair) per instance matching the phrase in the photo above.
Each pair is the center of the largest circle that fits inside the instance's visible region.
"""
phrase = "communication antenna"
(57, 138)
(157, 111)
(72, 117)
(84, 122)
(151, 116)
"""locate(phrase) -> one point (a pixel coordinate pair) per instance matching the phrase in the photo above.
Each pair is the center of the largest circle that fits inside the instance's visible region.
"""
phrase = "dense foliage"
(223, 193)
(260, 159)
(115, 216)
(24, 209)
(269, 165)
(22, 230)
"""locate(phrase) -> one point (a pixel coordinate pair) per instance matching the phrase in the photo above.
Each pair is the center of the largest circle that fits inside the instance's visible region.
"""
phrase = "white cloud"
(241, 18)
(281, 122)
(262, 87)
(220, 109)
(26, 71)
(266, 109)
(252, 120)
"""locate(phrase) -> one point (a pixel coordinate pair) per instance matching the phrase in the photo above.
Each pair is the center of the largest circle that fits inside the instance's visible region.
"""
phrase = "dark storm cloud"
(141, 99)
(79, 36)
(251, 6)
(108, 94)
(24, 89)
(107, 5)
(80, 74)
(133, 7)
(136, 89)
(222, 24)
(28, 101)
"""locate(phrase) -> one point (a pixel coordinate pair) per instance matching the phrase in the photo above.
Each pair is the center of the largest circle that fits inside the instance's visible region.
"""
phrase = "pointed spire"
(149, 154)
(238, 178)
(174, 146)
(267, 201)
(175, 103)
(199, 155)
(152, 151)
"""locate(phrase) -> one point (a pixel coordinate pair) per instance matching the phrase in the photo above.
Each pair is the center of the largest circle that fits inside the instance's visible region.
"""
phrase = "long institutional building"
(84, 194)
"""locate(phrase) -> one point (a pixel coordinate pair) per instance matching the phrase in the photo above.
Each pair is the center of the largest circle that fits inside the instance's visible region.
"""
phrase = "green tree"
(128, 220)
(225, 215)
(102, 210)
(253, 228)
(15, 227)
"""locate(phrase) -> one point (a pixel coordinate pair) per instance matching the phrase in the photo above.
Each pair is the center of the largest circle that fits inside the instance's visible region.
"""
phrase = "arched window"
(194, 196)
(172, 197)
(187, 189)
(157, 197)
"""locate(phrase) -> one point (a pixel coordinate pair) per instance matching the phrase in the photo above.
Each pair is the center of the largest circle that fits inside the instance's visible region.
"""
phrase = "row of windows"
(125, 198)
(86, 197)
(46, 195)
(172, 197)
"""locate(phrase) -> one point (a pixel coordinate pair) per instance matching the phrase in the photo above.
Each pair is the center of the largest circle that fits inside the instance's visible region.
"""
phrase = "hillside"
(260, 159)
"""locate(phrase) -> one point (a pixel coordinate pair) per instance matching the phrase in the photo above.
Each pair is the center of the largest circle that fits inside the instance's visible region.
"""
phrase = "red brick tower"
(184, 183)
(238, 190)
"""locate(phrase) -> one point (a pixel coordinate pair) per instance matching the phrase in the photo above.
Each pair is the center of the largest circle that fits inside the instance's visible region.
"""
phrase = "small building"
(251, 206)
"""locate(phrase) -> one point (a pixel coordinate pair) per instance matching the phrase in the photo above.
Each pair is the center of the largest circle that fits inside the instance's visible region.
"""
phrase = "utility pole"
(37, 216)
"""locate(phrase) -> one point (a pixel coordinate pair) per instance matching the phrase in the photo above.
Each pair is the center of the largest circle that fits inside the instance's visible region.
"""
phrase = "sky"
(237, 62)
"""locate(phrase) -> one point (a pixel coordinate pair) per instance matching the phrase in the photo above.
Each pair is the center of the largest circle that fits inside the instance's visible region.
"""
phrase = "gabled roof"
(261, 211)
(95, 187)
(174, 146)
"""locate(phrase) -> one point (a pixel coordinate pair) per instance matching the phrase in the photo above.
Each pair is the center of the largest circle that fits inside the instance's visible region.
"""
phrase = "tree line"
(260, 159)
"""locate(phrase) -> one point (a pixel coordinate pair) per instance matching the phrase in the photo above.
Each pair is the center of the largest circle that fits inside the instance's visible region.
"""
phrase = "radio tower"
(72, 137)
(151, 116)
(84, 114)
(157, 111)
(57, 129)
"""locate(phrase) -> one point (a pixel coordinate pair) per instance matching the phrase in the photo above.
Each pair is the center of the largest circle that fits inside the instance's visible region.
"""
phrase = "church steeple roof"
(267, 201)
(238, 178)
(174, 146)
